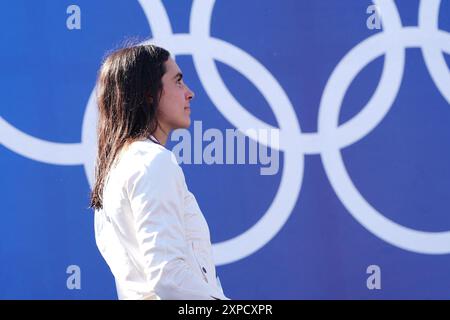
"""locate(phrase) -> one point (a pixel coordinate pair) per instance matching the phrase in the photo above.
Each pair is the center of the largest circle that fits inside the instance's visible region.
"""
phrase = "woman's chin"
(185, 124)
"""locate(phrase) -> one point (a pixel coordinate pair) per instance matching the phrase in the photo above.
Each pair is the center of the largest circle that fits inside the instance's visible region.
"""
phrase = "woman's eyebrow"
(179, 75)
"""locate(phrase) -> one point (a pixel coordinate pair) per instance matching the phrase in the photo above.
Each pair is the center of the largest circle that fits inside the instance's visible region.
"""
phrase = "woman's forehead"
(172, 67)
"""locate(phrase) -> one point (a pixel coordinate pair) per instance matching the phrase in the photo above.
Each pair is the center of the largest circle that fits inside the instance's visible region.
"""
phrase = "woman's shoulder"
(146, 162)
(149, 155)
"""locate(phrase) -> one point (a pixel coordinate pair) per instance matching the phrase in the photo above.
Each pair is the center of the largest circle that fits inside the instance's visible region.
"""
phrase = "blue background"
(322, 252)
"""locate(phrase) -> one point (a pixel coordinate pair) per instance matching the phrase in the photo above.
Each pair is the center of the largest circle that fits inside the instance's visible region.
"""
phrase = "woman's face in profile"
(174, 105)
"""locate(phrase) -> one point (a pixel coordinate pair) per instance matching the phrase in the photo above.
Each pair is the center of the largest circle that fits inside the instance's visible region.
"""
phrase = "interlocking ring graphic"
(327, 141)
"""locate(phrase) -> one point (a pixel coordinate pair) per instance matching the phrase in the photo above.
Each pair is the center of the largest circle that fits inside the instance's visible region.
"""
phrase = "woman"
(148, 225)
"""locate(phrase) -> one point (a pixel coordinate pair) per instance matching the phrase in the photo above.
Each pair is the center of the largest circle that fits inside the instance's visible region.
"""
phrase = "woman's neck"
(161, 135)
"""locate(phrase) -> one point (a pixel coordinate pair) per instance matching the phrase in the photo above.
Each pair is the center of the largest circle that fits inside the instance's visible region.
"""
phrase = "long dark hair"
(129, 87)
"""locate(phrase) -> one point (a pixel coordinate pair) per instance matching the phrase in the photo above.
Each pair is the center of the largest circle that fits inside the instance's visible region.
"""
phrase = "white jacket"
(151, 231)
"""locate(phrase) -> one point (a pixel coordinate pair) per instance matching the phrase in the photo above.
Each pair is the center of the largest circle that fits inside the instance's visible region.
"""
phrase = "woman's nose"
(189, 94)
